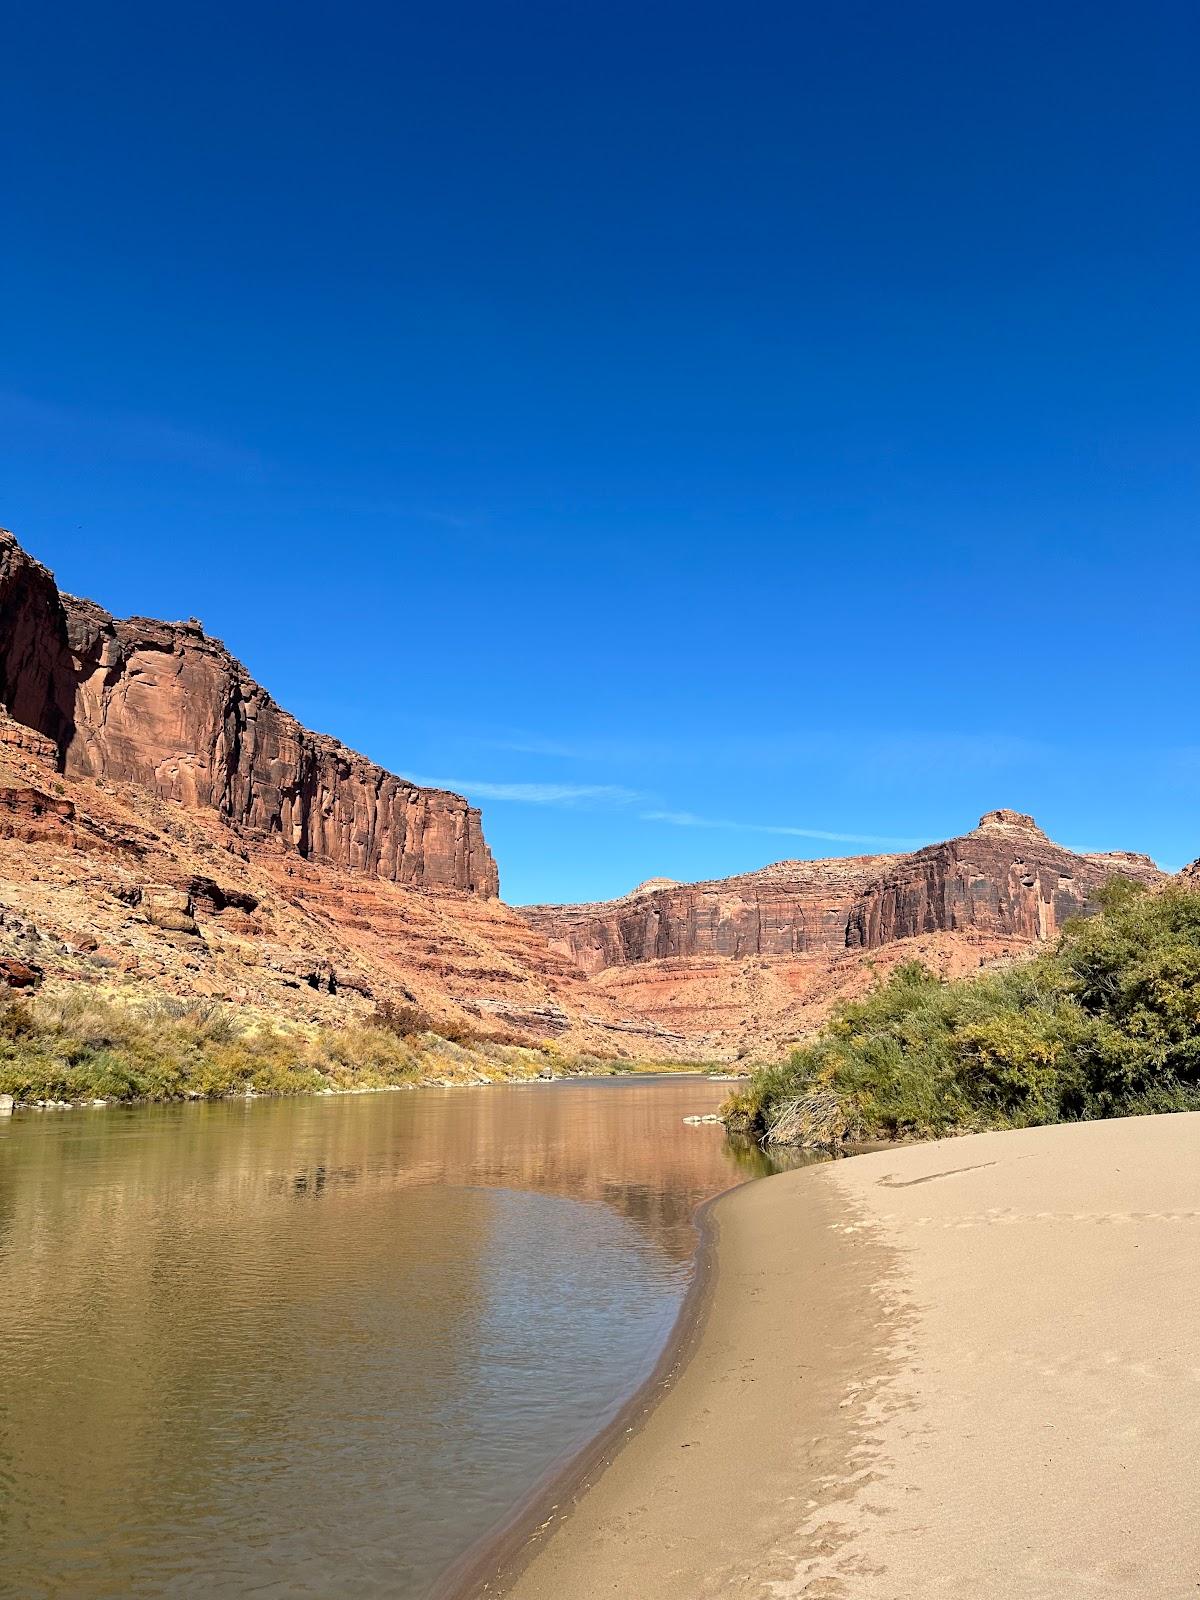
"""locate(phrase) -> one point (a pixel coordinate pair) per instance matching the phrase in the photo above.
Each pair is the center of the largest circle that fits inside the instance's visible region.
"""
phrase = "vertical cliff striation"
(1005, 878)
(162, 706)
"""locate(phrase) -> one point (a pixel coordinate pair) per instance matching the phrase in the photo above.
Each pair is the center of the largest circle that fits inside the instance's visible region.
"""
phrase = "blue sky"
(704, 434)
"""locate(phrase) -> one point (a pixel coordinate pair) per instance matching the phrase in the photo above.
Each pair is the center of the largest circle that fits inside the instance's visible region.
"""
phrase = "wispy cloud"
(888, 750)
(689, 819)
(588, 749)
(401, 511)
(537, 794)
(125, 433)
(617, 795)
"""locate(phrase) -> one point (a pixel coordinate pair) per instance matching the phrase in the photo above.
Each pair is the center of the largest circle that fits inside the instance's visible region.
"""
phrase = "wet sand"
(968, 1368)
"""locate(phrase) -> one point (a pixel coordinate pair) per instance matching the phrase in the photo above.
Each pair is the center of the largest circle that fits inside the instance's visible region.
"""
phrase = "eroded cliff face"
(162, 706)
(794, 908)
(164, 822)
(1006, 879)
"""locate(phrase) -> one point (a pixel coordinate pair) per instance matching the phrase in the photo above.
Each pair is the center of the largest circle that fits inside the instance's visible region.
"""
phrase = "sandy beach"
(968, 1368)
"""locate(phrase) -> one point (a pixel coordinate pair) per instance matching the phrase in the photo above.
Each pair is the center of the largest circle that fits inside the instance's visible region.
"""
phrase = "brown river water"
(320, 1347)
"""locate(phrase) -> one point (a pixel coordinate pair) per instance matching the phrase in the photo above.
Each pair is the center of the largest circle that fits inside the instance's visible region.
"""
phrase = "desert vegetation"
(1105, 1024)
(79, 1044)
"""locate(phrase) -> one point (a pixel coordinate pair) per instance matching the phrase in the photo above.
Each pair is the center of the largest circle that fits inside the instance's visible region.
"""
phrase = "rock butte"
(162, 819)
(759, 958)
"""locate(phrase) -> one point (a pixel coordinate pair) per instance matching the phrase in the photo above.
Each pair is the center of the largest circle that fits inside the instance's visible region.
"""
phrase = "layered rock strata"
(751, 962)
(163, 706)
(1005, 878)
(107, 883)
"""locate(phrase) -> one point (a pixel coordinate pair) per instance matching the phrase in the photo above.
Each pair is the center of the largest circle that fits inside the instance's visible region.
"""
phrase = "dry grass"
(79, 1044)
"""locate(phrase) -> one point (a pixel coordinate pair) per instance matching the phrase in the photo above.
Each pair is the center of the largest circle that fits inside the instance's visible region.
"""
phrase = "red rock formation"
(1006, 879)
(30, 815)
(103, 880)
(19, 974)
(162, 818)
(160, 705)
(758, 1005)
(163, 821)
(796, 908)
(751, 962)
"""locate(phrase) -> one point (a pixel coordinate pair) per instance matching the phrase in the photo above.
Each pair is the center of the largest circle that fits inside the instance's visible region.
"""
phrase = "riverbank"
(1103, 1024)
(424, 1301)
(77, 1045)
(960, 1368)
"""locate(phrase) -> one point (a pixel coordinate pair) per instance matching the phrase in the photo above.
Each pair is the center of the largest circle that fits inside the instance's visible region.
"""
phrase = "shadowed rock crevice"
(37, 678)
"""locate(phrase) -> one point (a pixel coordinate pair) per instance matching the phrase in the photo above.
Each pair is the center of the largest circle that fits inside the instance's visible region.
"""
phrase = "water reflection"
(316, 1347)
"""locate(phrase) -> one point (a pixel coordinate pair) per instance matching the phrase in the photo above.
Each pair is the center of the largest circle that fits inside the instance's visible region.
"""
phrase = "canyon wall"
(162, 819)
(794, 908)
(162, 706)
(1005, 879)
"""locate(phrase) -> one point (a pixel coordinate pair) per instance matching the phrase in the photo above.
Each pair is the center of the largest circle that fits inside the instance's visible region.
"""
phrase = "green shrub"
(1106, 1024)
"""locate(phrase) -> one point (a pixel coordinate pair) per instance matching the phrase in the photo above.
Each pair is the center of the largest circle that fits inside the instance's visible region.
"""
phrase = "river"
(319, 1347)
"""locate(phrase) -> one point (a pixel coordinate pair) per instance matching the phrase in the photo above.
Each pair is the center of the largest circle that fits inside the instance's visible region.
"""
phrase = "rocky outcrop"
(796, 908)
(750, 963)
(16, 974)
(163, 706)
(163, 824)
(1005, 878)
(30, 815)
(171, 910)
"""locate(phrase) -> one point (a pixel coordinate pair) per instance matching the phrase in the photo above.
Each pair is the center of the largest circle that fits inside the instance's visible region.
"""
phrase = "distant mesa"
(1004, 878)
(759, 958)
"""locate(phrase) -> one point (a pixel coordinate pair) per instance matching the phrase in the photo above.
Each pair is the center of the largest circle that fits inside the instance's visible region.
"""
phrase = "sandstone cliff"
(759, 959)
(1004, 878)
(162, 706)
(164, 823)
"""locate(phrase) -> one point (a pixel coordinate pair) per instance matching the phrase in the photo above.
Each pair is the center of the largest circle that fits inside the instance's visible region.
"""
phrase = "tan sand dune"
(968, 1368)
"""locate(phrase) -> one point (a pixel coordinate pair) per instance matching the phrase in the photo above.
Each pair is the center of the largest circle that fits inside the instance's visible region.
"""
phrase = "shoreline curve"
(497, 1558)
(968, 1367)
